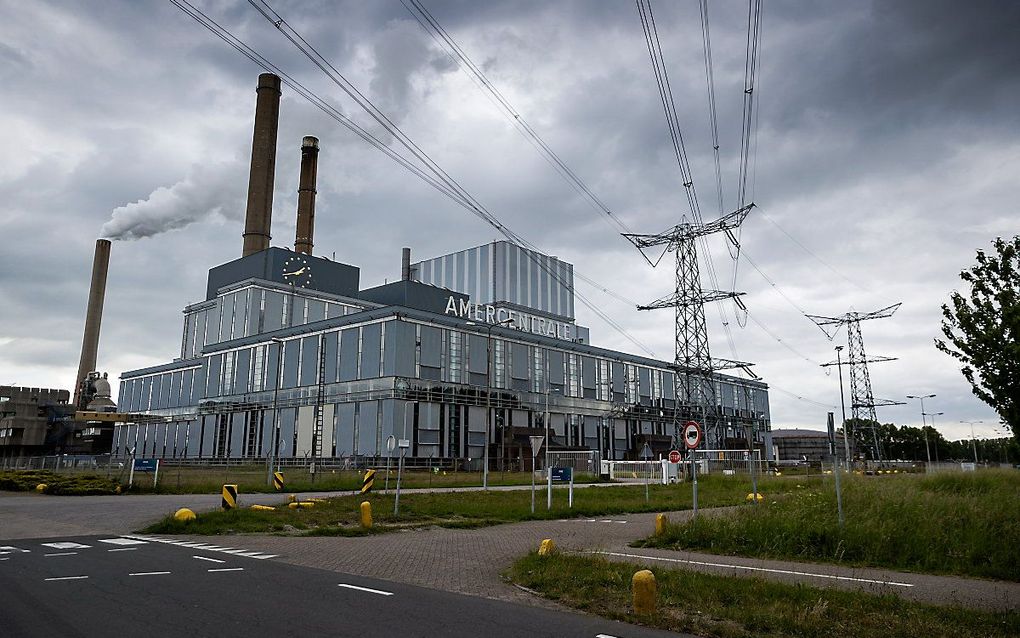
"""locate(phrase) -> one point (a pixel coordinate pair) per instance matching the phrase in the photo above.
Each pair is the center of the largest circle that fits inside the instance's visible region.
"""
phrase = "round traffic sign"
(674, 456)
(692, 435)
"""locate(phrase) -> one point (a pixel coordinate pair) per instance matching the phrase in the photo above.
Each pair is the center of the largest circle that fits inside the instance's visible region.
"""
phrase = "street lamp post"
(488, 396)
(276, 394)
(842, 404)
(933, 415)
(973, 439)
(548, 470)
(924, 425)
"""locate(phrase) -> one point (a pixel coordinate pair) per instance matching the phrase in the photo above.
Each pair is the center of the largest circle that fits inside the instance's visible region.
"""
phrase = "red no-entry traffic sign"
(674, 456)
(692, 435)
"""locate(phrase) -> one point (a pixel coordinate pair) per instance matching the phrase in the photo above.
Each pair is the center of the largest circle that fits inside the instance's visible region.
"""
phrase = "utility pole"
(273, 453)
(973, 439)
(862, 400)
(842, 405)
(489, 369)
(923, 424)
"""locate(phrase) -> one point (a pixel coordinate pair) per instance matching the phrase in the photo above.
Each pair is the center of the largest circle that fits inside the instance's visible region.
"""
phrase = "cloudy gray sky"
(887, 145)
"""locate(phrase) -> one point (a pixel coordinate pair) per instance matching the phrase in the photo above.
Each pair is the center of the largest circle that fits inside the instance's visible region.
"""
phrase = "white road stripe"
(759, 569)
(5, 558)
(604, 636)
(62, 554)
(148, 573)
(265, 556)
(67, 578)
(227, 569)
(369, 590)
(122, 541)
(122, 549)
(66, 545)
(211, 560)
(247, 553)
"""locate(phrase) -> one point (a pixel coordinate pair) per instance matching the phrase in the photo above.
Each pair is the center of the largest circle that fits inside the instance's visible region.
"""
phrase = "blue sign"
(146, 465)
(564, 474)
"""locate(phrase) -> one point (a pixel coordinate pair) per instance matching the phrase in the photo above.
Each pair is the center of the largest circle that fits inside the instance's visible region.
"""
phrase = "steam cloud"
(214, 191)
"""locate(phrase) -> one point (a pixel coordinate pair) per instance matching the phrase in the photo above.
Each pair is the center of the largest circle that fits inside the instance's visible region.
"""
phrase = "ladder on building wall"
(319, 400)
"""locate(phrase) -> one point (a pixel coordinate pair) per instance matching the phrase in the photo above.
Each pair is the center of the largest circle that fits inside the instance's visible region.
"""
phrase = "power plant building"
(288, 356)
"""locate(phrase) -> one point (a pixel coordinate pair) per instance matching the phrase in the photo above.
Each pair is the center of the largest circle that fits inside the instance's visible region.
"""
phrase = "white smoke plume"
(208, 191)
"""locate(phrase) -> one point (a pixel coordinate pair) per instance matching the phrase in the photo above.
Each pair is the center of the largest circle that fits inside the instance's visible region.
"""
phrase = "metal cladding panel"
(316, 310)
(371, 344)
(272, 377)
(255, 318)
(588, 372)
(431, 346)
(477, 354)
(164, 391)
(343, 435)
(668, 387)
(329, 348)
(198, 392)
(268, 430)
(476, 418)
(305, 425)
(243, 377)
(143, 398)
(399, 360)
(287, 422)
(520, 361)
(159, 440)
(237, 423)
(368, 427)
(327, 430)
(309, 361)
(194, 439)
(555, 367)
(291, 355)
(175, 389)
(349, 354)
(559, 425)
(188, 388)
(389, 425)
(206, 433)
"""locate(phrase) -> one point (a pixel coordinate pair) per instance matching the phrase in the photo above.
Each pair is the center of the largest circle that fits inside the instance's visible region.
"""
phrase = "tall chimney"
(93, 315)
(306, 195)
(405, 264)
(259, 216)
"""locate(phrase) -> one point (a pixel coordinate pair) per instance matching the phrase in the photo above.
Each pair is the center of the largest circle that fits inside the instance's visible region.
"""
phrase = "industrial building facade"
(287, 356)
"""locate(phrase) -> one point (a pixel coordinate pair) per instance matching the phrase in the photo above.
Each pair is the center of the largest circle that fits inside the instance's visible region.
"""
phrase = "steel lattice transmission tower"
(694, 366)
(862, 399)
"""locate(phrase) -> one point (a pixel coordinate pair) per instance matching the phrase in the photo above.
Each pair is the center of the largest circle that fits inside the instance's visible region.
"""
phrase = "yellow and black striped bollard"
(278, 481)
(229, 500)
(367, 481)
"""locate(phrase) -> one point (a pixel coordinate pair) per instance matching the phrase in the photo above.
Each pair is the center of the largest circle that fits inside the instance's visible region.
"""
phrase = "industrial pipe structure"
(306, 195)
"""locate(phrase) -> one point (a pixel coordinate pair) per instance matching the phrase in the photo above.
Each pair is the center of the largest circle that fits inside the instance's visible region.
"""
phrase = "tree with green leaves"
(982, 329)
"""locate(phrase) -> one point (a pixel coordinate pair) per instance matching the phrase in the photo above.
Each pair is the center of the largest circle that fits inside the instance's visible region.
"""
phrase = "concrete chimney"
(405, 264)
(259, 216)
(306, 195)
(93, 316)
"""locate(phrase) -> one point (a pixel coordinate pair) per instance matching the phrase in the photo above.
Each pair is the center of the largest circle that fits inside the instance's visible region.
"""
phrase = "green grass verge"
(961, 523)
(471, 509)
(58, 484)
(732, 607)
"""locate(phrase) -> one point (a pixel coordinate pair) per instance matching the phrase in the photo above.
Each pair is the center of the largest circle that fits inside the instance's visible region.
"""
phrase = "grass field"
(339, 516)
(78, 484)
(960, 523)
(730, 607)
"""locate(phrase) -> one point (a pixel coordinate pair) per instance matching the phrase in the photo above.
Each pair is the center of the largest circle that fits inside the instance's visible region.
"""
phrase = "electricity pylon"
(694, 366)
(862, 400)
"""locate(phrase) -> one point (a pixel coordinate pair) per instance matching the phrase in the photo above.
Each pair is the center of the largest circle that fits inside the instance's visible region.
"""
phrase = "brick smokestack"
(93, 315)
(259, 216)
(306, 195)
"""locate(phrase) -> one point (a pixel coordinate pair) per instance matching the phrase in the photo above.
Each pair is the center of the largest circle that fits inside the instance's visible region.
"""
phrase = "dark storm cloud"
(887, 146)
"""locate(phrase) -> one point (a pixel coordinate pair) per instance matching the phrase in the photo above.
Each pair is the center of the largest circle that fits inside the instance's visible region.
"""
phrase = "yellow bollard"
(643, 585)
(757, 496)
(547, 547)
(263, 508)
(40, 488)
(660, 524)
(292, 498)
(300, 505)
(184, 514)
(366, 514)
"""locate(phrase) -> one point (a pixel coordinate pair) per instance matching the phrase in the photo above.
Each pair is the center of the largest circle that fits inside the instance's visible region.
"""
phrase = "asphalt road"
(119, 585)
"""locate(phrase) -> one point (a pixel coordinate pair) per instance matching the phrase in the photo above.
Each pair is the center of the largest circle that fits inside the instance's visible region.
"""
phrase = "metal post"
(273, 455)
(548, 442)
(400, 470)
(839, 489)
(534, 456)
(488, 407)
(694, 479)
(842, 404)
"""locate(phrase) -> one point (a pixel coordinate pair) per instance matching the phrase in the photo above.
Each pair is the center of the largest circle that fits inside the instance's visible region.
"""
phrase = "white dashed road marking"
(122, 541)
(148, 573)
(122, 549)
(227, 569)
(66, 545)
(758, 569)
(205, 548)
(10, 549)
(61, 554)
(211, 560)
(67, 578)
(369, 590)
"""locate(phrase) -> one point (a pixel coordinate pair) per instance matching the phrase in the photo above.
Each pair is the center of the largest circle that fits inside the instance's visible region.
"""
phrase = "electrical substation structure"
(862, 399)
